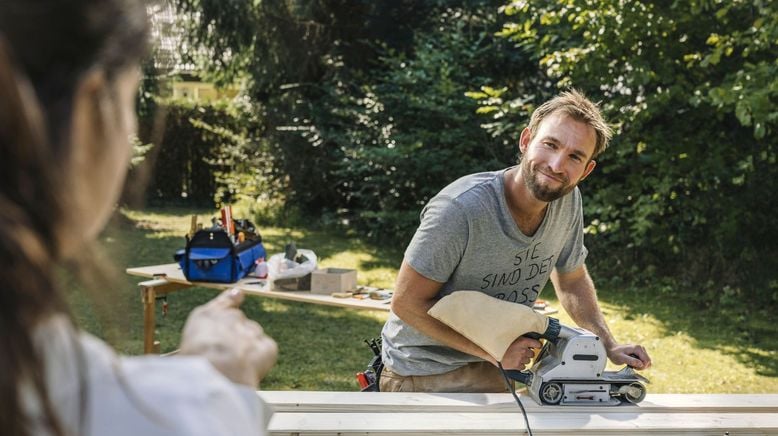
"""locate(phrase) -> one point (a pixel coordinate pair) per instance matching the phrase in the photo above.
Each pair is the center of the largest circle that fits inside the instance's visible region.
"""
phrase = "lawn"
(322, 347)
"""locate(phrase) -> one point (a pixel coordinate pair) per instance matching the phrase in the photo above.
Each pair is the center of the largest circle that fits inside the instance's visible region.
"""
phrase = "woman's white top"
(148, 395)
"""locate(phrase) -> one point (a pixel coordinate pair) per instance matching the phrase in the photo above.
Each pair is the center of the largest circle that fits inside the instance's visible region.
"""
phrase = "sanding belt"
(490, 323)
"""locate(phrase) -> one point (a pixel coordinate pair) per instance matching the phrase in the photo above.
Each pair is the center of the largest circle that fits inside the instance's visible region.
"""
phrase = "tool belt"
(370, 378)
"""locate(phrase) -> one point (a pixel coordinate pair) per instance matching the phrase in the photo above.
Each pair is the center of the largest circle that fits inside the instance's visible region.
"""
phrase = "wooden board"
(321, 401)
(347, 413)
(251, 285)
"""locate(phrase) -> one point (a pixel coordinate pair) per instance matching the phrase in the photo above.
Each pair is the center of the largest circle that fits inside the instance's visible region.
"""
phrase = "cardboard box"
(300, 284)
(329, 280)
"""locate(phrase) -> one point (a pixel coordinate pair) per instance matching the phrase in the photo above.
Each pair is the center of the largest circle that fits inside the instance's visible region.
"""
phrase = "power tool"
(570, 367)
(570, 370)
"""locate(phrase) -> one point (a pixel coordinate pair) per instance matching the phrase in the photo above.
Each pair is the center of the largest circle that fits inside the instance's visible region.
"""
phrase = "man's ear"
(524, 140)
(589, 168)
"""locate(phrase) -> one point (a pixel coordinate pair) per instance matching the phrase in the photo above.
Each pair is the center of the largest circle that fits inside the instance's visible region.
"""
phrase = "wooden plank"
(149, 300)
(409, 402)
(513, 424)
(251, 285)
(150, 290)
(163, 286)
(400, 413)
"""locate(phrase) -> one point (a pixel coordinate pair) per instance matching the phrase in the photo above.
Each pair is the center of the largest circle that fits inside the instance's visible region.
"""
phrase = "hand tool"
(570, 368)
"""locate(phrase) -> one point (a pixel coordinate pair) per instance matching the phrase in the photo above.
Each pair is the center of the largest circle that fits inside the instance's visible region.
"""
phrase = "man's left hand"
(632, 355)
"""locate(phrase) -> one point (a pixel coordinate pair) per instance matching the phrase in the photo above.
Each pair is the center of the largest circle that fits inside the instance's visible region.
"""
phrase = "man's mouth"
(551, 177)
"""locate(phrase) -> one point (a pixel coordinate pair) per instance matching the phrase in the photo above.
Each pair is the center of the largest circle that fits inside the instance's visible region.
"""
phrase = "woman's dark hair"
(46, 47)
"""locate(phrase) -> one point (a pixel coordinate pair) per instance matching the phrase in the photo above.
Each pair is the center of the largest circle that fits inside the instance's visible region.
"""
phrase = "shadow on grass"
(321, 348)
(114, 311)
(747, 335)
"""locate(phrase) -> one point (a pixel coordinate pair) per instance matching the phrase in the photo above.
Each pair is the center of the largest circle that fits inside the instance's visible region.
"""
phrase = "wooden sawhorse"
(149, 291)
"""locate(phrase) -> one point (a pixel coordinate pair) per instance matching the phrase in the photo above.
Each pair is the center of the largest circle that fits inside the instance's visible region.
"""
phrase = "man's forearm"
(587, 314)
(579, 298)
(415, 315)
(577, 294)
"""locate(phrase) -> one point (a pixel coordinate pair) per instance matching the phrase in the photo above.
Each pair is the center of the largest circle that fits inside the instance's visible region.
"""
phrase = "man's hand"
(235, 345)
(577, 295)
(632, 355)
(519, 353)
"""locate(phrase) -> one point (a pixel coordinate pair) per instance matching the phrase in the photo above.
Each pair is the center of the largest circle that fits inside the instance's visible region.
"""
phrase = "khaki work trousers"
(476, 377)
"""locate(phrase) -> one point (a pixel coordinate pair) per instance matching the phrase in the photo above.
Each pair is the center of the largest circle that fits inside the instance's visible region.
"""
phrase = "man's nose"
(556, 163)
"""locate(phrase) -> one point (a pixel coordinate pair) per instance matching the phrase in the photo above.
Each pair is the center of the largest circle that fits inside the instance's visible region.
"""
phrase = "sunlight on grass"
(680, 363)
(275, 307)
(377, 277)
(322, 347)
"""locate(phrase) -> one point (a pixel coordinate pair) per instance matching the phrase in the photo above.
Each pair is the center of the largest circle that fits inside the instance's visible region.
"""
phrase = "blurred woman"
(68, 78)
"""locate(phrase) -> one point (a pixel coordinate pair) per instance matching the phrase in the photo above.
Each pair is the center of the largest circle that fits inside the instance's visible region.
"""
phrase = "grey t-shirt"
(468, 240)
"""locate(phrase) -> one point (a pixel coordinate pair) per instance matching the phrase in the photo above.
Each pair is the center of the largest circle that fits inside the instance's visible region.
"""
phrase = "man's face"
(558, 157)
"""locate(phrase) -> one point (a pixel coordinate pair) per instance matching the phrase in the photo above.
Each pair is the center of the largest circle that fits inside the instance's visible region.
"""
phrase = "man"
(503, 233)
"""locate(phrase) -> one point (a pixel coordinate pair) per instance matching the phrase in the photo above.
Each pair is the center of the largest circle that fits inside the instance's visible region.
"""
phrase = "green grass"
(322, 347)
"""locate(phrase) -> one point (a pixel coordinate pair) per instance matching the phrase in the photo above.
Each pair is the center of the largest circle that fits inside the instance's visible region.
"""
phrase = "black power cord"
(513, 391)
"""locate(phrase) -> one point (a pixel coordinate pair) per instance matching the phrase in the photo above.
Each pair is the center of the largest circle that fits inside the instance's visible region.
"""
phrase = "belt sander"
(570, 368)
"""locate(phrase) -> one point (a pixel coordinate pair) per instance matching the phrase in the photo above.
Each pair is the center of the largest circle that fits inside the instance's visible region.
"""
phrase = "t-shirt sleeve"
(197, 399)
(439, 243)
(140, 395)
(574, 252)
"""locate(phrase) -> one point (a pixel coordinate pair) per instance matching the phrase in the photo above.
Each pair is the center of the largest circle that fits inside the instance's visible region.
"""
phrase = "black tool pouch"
(374, 368)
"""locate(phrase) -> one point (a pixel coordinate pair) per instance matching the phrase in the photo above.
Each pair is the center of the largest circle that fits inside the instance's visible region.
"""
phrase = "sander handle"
(551, 334)
(524, 377)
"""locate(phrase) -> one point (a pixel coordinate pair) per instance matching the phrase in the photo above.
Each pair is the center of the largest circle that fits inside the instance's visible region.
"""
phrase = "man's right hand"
(520, 352)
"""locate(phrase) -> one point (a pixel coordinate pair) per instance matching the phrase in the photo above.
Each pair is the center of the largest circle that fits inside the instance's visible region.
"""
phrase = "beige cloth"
(490, 323)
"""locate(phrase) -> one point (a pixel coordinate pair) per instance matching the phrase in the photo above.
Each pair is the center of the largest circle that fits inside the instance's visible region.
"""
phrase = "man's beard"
(543, 192)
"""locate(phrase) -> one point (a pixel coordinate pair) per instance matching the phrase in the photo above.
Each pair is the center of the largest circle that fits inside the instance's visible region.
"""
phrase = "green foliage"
(692, 88)
(288, 50)
(320, 347)
(139, 151)
(363, 103)
(408, 130)
(146, 107)
(207, 156)
(364, 110)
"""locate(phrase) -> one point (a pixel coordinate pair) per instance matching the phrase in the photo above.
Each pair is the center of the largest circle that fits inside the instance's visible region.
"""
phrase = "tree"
(691, 87)
(362, 102)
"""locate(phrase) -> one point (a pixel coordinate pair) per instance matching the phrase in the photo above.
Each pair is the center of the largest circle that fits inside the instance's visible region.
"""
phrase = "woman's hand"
(235, 345)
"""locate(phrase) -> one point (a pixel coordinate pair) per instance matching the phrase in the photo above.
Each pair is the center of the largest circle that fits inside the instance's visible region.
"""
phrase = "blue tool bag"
(211, 256)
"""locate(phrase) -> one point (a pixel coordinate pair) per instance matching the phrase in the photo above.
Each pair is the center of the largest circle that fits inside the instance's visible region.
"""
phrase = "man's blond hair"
(574, 104)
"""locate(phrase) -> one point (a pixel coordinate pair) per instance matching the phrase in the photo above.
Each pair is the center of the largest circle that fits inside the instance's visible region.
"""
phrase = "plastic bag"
(281, 268)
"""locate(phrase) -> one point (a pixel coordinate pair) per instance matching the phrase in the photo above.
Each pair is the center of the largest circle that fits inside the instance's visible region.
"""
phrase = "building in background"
(175, 60)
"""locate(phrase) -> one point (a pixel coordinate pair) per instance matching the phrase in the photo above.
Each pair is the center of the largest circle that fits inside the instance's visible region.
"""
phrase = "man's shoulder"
(570, 205)
(469, 185)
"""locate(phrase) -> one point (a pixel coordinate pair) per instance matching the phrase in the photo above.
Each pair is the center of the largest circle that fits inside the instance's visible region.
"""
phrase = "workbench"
(395, 413)
(169, 278)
